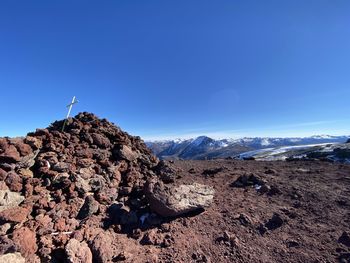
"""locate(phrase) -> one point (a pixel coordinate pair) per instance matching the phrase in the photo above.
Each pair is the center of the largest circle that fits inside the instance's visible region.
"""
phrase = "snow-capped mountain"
(204, 147)
(336, 152)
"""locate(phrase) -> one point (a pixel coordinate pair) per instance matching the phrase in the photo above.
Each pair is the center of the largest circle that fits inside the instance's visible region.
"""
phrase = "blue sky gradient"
(166, 69)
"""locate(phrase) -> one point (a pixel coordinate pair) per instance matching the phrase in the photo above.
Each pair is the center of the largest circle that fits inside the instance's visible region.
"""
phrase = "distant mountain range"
(204, 147)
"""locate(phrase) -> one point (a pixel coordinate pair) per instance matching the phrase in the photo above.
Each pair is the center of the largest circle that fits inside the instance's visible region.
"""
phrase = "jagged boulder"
(169, 200)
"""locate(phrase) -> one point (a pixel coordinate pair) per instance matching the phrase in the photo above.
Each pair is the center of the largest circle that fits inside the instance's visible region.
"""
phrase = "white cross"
(74, 101)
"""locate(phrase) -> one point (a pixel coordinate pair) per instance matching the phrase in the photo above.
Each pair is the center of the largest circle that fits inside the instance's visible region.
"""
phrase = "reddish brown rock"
(100, 140)
(120, 248)
(14, 182)
(60, 225)
(22, 148)
(9, 153)
(26, 241)
(34, 142)
(14, 215)
(3, 174)
(152, 237)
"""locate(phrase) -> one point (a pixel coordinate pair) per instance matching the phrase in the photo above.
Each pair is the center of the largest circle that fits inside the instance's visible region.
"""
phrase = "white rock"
(12, 257)
(9, 199)
(169, 200)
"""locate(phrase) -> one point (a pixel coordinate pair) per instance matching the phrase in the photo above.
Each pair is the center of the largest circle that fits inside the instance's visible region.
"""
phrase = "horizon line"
(174, 138)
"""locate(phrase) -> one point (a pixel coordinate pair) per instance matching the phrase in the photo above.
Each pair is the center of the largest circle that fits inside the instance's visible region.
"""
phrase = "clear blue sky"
(163, 69)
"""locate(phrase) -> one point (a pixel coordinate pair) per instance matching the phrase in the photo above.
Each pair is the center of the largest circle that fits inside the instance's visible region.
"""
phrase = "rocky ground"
(93, 193)
(301, 212)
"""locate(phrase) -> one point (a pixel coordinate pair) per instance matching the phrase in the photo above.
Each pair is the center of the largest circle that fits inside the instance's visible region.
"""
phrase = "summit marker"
(69, 106)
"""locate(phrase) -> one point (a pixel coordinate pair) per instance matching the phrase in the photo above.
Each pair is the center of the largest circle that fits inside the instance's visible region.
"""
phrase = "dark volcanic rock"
(89, 207)
(213, 171)
(248, 180)
(275, 222)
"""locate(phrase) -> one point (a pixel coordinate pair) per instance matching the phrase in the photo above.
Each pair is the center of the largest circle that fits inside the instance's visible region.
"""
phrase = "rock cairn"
(60, 190)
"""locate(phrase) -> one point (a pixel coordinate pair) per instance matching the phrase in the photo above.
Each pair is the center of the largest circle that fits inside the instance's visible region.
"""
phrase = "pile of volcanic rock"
(56, 186)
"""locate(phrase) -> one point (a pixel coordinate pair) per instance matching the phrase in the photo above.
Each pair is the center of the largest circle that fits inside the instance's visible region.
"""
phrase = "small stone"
(97, 184)
(292, 243)
(275, 222)
(25, 172)
(60, 224)
(271, 171)
(167, 172)
(82, 185)
(103, 247)
(248, 180)
(100, 140)
(3, 174)
(124, 152)
(7, 245)
(4, 228)
(22, 148)
(9, 199)
(244, 220)
(89, 207)
(12, 258)
(78, 252)
(152, 237)
(61, 167)
(264, 189)
(9, 153)
(14, 182)
(26, 241)
(34, 142)
(212, 171)
(192, 171)
(14, 215)
(274, 190)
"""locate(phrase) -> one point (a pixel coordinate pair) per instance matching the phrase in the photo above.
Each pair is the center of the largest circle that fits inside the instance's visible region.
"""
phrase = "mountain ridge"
(204, 147)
